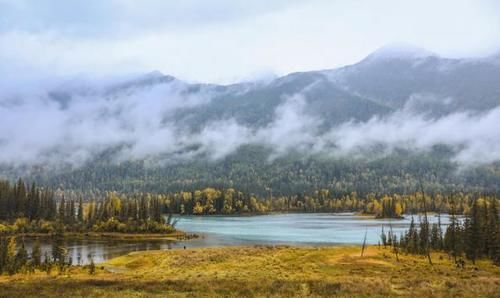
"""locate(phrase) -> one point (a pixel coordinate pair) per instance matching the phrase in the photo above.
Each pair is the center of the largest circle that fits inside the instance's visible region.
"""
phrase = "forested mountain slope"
(378, 125)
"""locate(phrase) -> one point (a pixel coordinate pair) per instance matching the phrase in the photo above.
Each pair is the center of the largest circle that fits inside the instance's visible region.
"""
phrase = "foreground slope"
(265, 271)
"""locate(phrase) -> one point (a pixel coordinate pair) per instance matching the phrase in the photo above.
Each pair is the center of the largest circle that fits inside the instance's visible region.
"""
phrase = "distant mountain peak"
(399, 51)
(153, 74)
(154, 77)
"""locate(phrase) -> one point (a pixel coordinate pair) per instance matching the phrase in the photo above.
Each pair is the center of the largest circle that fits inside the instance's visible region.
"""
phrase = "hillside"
(365, 126)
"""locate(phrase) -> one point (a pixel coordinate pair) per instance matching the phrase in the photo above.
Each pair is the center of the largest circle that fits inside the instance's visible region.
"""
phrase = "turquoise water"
(293, 229)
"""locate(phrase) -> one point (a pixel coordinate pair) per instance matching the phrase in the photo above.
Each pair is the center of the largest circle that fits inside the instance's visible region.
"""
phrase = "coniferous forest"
(28, 203)
(474, 237)
(28, 209)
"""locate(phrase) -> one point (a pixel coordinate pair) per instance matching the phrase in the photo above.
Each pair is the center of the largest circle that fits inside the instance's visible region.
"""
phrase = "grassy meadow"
(263, 271)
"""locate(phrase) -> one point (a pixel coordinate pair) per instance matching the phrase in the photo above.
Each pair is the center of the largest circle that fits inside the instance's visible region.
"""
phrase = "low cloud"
(81, 121)
(474, 136)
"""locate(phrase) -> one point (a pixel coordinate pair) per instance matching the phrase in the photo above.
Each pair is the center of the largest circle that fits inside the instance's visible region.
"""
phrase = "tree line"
(475, 236)
(26, 208)
(230, 201)
(251, 169)
(31, 209)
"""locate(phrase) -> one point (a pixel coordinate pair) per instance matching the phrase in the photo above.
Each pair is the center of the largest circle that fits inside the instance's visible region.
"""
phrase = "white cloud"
(141, 123)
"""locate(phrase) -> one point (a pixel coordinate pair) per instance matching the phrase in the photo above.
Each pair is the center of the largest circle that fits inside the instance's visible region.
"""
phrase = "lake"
(275, 229)
(293, 229)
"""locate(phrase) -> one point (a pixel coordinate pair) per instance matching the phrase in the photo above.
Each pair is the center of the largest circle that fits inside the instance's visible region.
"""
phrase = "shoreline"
(250, 214)
(175, 236)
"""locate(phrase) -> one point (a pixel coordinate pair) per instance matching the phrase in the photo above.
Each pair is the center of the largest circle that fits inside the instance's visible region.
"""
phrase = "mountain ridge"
(278, 133)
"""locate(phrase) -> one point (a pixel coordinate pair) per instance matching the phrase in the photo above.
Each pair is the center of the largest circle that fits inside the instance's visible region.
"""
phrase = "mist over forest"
(399, 101)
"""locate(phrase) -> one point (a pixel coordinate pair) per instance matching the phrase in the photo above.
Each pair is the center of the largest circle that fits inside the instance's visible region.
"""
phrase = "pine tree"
(80, 211)
(20, 198)
(493, 232)
(440, 231)
(3, 254)
(423, 237)
(412, 238)
(452, 234)
(58, 248)
(71, 212)
(424, 229)
(435, 237)
(472, 233)
(395, 246)
(383, 237)
(91, 266)
(62, 210)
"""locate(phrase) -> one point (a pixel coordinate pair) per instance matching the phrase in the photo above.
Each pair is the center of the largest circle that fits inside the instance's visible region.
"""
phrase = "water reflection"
(81, 250)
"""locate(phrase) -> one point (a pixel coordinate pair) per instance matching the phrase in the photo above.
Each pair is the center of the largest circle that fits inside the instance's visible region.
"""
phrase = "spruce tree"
(80, 211)
(452, 234)
(58, 248)
(435, 237)
(424, 236)
(412, 238)
(472, 233)
(493, 232)
(62, 210)
(3, 254)
(91, 266)
(383, 237)
(71, 212)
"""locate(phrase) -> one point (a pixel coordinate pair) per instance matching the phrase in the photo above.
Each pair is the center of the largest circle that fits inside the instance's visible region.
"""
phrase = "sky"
(225, 41)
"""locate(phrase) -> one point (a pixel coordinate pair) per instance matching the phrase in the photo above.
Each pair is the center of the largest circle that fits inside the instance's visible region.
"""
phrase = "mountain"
(391, 79)
(394, 79)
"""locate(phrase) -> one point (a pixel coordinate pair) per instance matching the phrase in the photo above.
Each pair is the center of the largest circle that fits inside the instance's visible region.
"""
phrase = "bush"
(22, 225)
(4, 230)
(45, 226)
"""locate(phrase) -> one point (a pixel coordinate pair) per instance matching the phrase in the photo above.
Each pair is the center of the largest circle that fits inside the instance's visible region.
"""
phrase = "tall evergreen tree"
(3, 254)
(58, 247)
(472, 233)
(80, 210)
(62, 210)
(493, 232)
(452, 234)
(383, 237)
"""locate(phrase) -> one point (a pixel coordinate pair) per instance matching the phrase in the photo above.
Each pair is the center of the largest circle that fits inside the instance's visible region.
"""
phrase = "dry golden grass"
(263, 272)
